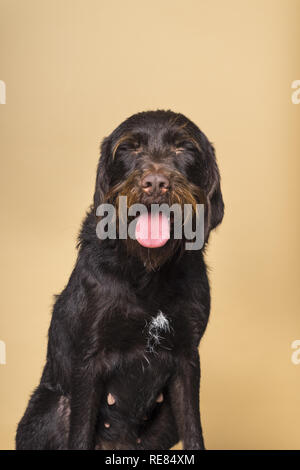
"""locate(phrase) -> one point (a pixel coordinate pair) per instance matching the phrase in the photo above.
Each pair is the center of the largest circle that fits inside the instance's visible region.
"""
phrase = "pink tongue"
(152, 231)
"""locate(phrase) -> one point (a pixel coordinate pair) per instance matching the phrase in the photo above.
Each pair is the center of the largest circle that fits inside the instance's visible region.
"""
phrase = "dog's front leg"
(85, 395)
(184, 394)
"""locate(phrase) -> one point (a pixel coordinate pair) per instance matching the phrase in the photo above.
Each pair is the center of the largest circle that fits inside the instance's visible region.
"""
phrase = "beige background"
(74, 69)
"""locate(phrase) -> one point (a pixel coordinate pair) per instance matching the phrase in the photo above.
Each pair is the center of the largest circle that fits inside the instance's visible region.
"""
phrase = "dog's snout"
(155, 183)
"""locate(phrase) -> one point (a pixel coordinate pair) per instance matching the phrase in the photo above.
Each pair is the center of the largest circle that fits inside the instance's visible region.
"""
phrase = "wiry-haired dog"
(122, 369)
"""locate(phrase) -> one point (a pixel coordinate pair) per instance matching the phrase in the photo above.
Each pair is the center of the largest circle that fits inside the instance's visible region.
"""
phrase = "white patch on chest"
(157, 326)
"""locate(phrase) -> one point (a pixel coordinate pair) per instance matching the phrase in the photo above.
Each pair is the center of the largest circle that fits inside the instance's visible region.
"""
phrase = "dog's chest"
(147, 333)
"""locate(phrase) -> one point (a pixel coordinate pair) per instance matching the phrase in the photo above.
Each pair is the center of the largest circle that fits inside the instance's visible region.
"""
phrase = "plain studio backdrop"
(74, 69)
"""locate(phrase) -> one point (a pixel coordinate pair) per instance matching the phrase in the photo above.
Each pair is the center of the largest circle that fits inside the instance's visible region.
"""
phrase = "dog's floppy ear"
(215, 205)
(102, 179)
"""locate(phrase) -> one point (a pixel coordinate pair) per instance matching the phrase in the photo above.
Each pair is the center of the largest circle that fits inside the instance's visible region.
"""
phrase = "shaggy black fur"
(99, 332)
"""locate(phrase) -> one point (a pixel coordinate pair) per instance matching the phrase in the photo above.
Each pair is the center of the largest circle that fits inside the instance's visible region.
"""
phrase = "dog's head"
(158, 157)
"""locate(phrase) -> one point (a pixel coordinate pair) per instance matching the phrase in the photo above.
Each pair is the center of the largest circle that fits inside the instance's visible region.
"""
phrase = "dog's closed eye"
(185, 145)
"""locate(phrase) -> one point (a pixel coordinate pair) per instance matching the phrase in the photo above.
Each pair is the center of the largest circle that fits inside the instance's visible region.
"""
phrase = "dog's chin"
(154, 258)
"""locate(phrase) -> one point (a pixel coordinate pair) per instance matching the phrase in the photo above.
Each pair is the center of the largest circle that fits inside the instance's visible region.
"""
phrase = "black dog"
(122, 369)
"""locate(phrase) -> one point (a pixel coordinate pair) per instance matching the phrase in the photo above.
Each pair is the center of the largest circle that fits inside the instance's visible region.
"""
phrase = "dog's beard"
(182, 193)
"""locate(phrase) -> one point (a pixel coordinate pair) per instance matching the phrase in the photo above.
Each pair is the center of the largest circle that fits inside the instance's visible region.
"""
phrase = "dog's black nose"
(155, 183)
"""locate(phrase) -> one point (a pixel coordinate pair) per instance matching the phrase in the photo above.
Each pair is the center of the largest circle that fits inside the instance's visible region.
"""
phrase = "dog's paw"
(193, 445)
